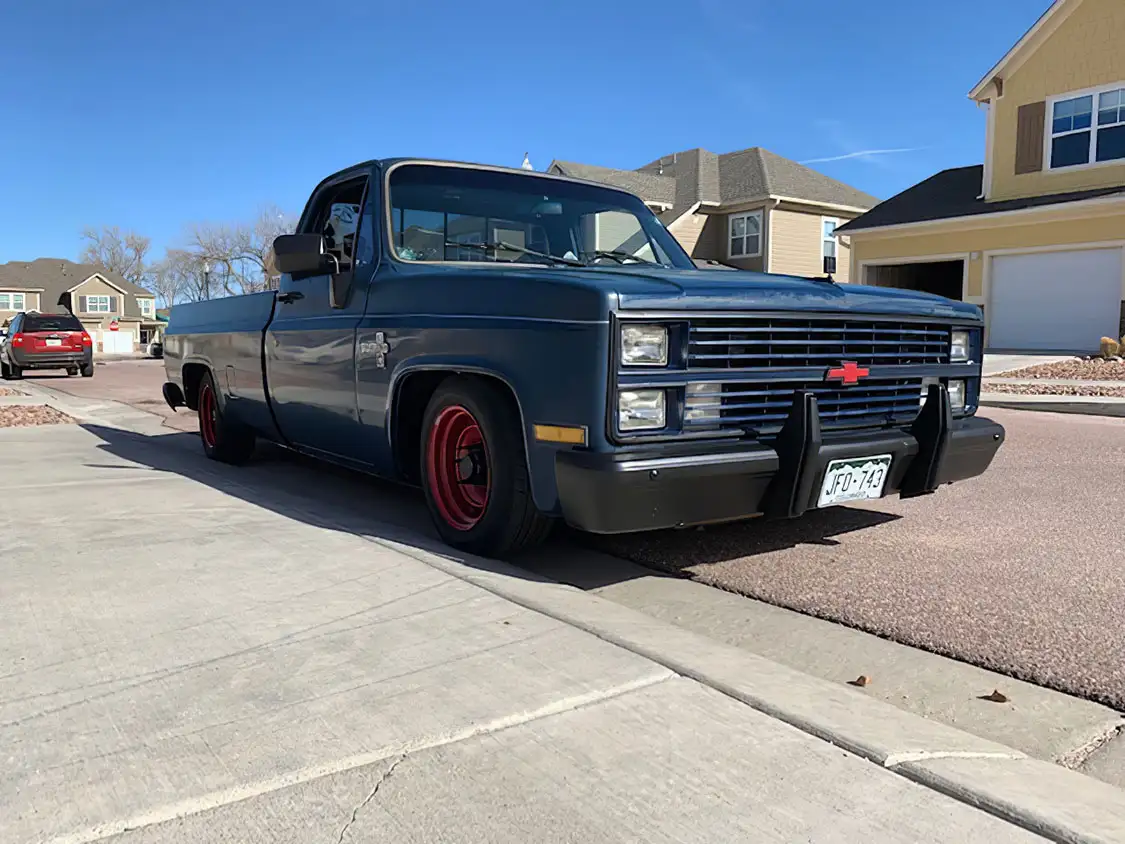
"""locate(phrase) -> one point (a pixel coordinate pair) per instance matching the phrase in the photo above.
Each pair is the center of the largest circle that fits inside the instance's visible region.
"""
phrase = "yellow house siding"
(797, 244)
(843, 261)
(1087, 50)
(795, 249)
(687, 231)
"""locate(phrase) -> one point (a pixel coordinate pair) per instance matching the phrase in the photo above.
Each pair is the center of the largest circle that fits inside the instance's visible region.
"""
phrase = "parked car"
(155, 349)
(529, 348)
(46, 341)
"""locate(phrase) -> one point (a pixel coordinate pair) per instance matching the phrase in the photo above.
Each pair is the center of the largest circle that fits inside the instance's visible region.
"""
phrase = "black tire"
(87, 370)
(13, 372)
(508, 521)
(222, 439)
(4, 371)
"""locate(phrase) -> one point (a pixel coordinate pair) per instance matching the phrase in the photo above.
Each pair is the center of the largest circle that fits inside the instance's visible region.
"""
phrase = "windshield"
(441, 213)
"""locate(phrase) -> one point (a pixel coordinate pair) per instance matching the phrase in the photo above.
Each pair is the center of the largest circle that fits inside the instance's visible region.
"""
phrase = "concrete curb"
(1086, 405)
(1044, 798)
(1041, 797)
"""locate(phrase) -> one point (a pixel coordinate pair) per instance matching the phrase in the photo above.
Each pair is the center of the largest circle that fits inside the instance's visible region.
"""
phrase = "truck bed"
(225, 335)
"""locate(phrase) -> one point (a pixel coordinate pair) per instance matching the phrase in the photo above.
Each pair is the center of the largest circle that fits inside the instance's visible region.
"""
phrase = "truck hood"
(661, 289)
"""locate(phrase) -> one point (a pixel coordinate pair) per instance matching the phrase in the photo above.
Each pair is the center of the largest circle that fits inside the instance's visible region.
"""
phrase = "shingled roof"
(649, 187)
(55, 276)
(701, 176)
(956, 193)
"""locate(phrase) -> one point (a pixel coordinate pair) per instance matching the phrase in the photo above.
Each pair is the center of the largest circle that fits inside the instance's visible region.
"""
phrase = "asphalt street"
(1018, 571)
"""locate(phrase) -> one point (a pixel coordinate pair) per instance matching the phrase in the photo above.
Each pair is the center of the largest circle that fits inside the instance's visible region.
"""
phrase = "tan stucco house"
(751, 209)
(1035, 235)
(100, 298)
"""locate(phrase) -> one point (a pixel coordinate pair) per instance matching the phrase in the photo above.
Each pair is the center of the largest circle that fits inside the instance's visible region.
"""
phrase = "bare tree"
(219, 259)
(123, 252)
(271, 223)
(241, 254)
(186, 276)
(167, 280)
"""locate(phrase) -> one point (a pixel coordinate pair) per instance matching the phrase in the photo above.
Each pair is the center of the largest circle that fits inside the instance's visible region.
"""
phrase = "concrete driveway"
(1016, 571)
(192, 653)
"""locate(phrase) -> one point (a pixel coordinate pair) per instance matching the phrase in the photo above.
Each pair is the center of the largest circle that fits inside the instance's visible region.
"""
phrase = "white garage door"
(1057, 301)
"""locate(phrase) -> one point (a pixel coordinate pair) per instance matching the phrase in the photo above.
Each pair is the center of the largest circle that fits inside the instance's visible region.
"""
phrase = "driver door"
(310, 345)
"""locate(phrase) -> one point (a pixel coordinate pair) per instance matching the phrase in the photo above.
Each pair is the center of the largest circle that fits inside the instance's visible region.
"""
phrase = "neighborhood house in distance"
(751, 209)
(1035, 235)
(99, 298)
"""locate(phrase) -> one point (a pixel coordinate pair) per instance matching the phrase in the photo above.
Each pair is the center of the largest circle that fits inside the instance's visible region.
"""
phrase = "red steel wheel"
(459, 470)
(208, 414)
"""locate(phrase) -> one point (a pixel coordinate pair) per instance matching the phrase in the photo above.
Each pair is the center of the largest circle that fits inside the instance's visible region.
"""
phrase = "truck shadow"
(339, 499)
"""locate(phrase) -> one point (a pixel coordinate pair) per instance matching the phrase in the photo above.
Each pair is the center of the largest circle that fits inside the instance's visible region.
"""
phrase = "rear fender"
(192, 371)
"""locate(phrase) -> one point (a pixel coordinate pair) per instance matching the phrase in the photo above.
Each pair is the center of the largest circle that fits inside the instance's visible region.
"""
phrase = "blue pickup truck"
(529, 348)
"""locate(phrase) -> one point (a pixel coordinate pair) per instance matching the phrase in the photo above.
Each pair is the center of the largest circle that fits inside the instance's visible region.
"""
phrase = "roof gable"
(757, 173)
(57, 276)
(698, 176)
(1042, 29)
(100, 277)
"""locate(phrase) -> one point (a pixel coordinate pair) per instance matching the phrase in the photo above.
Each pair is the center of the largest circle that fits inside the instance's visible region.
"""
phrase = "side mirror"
(302, 255)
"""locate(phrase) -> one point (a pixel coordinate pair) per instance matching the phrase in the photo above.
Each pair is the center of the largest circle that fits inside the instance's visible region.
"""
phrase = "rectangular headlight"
(926, 382)
(703, 402)
(957, 396)
(960, 349)
(644, 345)
(641, 410)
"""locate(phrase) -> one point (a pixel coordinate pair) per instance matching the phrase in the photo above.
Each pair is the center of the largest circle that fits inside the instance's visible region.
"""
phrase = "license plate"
(854, 479)
(54, 342)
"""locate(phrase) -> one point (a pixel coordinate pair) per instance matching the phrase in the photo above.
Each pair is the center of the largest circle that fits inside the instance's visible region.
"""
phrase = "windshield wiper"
(511, 247)
(621, 257)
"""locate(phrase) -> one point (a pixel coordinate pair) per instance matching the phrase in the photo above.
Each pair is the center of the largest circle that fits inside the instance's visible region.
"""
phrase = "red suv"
(46, 341)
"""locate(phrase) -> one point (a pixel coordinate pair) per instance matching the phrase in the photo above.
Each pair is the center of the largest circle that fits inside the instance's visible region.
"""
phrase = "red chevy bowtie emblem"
(848, 373)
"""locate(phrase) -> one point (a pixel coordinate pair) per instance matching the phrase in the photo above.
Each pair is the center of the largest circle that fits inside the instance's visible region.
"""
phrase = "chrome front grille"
(757, 342)
(760, 409)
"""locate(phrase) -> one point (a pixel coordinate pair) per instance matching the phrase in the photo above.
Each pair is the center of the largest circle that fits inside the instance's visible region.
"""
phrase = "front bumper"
(691, 485)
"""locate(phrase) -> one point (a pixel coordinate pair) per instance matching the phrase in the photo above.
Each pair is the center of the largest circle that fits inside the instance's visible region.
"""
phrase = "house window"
(1089, 129)
(146, 307)
(746, 235)
(98, 305)
(828, 237)
(12, 302)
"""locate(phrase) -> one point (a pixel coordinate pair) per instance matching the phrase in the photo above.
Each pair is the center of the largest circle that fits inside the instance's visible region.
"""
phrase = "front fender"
(535, 401)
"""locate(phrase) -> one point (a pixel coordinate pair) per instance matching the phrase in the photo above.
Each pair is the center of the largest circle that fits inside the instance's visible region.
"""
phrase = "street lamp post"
(207, 279)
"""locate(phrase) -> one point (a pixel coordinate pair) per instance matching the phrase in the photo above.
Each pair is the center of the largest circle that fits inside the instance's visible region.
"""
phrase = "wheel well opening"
(409, 411)
(193, 376)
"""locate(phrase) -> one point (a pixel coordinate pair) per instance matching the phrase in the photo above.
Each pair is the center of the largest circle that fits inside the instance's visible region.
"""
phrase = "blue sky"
(153, 115)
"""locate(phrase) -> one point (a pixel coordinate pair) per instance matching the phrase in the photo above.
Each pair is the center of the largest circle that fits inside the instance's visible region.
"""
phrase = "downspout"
(769, 234)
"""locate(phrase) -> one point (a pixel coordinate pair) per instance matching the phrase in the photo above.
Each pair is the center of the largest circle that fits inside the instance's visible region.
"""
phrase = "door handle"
(289, 298)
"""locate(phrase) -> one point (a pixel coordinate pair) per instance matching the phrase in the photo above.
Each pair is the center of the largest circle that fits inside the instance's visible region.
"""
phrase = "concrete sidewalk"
(186, 655)
(994, 363)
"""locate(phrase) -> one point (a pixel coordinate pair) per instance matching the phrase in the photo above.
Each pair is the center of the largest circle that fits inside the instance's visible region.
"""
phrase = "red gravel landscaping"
(8, 391)
(26, 416)
(1084, 370)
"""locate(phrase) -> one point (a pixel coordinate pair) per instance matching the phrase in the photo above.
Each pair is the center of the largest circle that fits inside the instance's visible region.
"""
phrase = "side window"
(337, 220)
